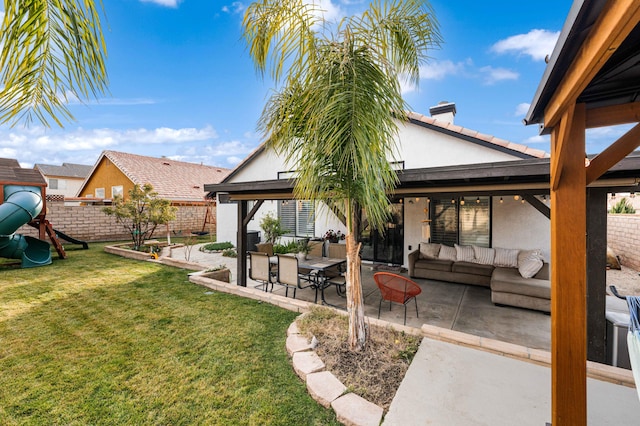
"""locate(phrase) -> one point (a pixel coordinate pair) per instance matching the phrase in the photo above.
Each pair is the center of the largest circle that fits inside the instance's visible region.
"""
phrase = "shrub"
(623, 207)
(223, 245)
(230, 252)
(272, 228)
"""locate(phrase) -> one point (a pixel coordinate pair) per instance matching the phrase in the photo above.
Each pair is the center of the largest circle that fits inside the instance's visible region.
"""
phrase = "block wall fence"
(623, 237)
(89, 223)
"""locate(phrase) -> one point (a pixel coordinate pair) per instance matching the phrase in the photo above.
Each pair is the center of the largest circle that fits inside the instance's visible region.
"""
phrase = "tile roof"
(10, 171)
(487, 140)
(173, 180)
(65, 170)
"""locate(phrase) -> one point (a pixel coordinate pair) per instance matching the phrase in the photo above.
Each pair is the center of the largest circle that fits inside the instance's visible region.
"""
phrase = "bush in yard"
(141, 213)
(623, 207)
(272, 228)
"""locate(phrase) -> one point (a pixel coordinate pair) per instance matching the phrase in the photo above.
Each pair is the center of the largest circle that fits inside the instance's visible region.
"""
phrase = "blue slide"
(20, 206)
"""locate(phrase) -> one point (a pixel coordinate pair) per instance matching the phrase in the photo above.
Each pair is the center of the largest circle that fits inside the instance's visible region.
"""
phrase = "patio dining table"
(320, 265)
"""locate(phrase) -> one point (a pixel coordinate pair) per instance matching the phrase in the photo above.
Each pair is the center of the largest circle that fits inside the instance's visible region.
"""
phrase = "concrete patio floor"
(458, 307)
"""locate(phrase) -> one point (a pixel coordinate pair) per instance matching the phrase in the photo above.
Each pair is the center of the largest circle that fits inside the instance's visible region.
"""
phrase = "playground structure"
(23, 202)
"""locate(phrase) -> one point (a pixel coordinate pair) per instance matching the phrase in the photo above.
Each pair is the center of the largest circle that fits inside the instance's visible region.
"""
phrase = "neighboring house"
(115, 173)
(428, 148)
(64, 180)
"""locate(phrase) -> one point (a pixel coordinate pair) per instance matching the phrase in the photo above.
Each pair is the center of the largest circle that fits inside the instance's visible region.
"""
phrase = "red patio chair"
(398, 289)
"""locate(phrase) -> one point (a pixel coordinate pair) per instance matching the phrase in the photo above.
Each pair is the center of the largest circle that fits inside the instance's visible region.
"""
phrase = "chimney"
(444, 111)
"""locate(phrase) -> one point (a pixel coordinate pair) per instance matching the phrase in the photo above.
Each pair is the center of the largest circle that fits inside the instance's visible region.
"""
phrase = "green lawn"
(97, 339)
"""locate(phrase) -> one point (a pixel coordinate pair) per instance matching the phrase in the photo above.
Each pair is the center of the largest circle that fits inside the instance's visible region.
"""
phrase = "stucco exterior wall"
(519, 225)
(106, 175)
(623, 237)
(422, 147)
(88, 223)
(72, 186)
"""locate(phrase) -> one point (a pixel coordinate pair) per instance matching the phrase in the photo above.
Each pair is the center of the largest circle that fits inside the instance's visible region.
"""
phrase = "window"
(461, 220)
(57, 183)
(297, 217)
(99, 192)
(116, 190)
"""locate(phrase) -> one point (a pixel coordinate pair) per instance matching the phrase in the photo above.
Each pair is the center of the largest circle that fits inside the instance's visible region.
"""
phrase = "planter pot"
(221, 275)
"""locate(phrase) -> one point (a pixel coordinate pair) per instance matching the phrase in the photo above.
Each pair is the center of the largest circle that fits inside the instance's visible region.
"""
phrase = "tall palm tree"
(335, 116)
(52, 51)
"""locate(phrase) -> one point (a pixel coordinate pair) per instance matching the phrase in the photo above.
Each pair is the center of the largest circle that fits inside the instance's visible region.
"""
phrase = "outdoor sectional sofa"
(516, 277)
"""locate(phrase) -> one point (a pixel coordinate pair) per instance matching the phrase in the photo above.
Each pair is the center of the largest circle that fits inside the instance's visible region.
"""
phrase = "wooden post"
(568, 278)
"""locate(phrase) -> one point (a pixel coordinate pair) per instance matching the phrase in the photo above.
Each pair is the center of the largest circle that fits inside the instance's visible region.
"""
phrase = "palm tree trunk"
(355, 301)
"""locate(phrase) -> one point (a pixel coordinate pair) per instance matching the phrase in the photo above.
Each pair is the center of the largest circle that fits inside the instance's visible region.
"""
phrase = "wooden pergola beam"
(617, 20)
(613, 115)
(560, 148)
(613, 154)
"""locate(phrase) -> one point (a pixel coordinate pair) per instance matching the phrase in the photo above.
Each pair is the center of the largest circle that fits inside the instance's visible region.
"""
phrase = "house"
(434, 142)
(456, 185)
(115, 173)
(63, 180)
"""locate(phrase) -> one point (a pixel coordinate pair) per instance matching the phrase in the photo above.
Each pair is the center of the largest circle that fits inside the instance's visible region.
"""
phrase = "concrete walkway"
(450, 384)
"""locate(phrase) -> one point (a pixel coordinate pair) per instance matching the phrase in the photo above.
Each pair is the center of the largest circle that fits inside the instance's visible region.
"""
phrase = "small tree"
(272, 228)
(141, 213)
(623, 207)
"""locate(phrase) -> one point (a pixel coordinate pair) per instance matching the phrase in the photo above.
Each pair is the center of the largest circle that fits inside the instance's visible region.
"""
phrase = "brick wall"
(89, 223)
(623, 237)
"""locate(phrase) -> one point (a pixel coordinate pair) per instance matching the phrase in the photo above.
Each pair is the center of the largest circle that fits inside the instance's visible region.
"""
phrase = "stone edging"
(324, 387)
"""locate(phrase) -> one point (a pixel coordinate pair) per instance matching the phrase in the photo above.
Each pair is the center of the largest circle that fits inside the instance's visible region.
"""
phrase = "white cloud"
(493, 75)
(522, 109)
(165, 3)
(536, 43)
(537, 139)
(233, 160)
(436, 70)
(330, 10)
(234, 8)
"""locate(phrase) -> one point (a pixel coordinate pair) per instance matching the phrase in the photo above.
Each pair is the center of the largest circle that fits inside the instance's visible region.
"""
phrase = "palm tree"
(52, 51)
(335, 116)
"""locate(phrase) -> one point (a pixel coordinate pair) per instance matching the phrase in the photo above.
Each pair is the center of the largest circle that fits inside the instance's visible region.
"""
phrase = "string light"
(501, 200)
(516, 197)
(478, 200)
(462, 201)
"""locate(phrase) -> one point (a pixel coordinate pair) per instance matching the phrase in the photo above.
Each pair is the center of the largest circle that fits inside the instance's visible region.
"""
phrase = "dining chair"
(291, 275)
(397, 289)
(316, 248)
(261, 270)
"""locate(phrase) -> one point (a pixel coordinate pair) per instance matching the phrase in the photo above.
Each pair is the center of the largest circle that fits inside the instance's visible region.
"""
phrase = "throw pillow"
(530, 266)
(483, 255)
(429, 250)
(447, 253)
(524, 254)
(507, 258)
(464, 253)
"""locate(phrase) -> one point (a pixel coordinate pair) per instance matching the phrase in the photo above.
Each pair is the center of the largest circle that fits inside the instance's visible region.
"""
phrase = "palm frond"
(51, 49)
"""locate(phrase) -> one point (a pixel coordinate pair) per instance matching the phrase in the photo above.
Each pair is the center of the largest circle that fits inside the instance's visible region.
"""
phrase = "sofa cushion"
(472, 268)
(464, 253)
(434, 264)
(523, 254)
(447, 253)
(507, 258)
(429, 251)
(530, 265)
(483, 255)
(509, 280)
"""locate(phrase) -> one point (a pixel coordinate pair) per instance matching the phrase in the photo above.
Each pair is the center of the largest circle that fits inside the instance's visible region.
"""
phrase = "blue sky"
(182, 84)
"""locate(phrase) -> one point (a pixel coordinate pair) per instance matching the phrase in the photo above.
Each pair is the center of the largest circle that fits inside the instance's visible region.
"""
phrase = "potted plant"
(334, 236)
(303, 248)
(220, 273)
